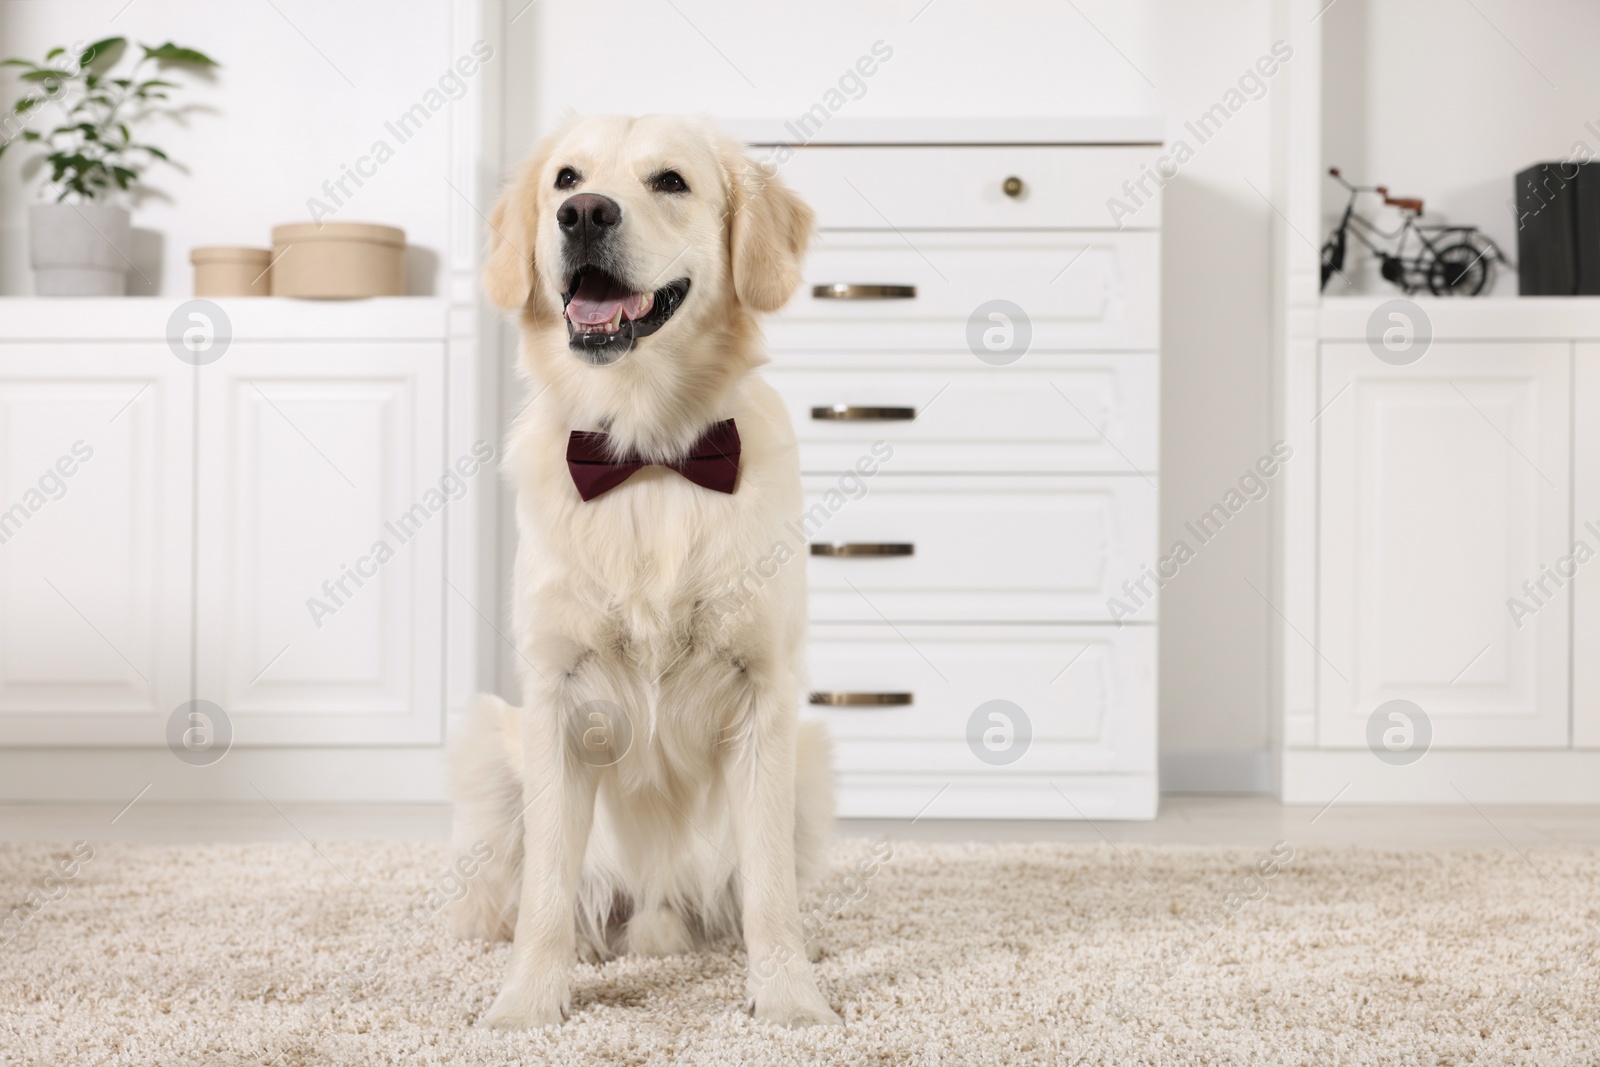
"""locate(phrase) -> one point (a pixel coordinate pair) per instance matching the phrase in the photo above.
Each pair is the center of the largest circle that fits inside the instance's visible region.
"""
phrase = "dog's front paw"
(790, 997)
(809, 1010)
(528, 1005)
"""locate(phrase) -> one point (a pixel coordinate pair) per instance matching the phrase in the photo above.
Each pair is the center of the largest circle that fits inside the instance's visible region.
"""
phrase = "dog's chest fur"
(660, 566)
(658, 581)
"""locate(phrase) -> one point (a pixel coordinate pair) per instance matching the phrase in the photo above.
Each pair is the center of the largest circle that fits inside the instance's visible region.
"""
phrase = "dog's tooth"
(616, 321)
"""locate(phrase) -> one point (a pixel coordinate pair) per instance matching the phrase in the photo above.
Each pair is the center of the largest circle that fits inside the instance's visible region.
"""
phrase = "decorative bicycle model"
(1448, 260)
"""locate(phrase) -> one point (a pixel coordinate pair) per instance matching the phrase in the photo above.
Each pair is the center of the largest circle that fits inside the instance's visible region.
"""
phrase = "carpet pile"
(294, 956)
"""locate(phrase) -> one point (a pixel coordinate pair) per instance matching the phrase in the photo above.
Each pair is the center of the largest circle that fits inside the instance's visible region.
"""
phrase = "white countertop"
(996, 130)
(140, 318)
(1471, 318)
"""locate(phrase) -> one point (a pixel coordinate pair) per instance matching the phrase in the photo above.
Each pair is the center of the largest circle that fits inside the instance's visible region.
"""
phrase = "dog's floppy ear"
(768, 231)
(509, 273)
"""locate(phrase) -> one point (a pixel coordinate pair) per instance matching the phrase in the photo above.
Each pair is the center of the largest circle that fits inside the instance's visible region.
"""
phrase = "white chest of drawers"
(963, 649)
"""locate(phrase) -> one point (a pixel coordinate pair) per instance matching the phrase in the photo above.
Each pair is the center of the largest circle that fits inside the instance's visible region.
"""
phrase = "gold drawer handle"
(860, 700)
(863, 549)
(854, 413)
(861, 291)
(1012, 187)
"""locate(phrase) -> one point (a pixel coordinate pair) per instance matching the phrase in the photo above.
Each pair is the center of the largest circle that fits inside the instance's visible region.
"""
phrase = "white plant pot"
(79, 249)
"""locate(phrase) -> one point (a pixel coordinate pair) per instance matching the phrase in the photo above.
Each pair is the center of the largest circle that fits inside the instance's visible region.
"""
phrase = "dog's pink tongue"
(598, 298)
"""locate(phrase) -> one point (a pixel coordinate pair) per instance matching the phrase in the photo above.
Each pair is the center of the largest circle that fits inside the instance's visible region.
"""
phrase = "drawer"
(935, 292)
(1050, 412)
(953, 187)
(1086, 696)
(1036, 548)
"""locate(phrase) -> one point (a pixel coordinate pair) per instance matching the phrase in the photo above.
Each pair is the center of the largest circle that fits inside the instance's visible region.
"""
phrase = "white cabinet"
(971, 325)
(1445, 487)
(1433, 511)
(96, 527)
(209, 511)
(1442, 534)
(321, 524)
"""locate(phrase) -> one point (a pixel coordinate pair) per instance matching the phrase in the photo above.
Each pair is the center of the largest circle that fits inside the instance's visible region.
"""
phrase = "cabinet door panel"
(1444, 487)
(96, 528)
(321, 541)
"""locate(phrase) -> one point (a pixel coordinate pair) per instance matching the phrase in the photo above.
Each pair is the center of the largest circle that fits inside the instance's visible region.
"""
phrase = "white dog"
(656, 791)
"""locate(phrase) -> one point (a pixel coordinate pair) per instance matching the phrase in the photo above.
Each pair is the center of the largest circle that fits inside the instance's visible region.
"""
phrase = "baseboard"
(1237, 771)
(1456, 777)
(983, 796)
(116, 775)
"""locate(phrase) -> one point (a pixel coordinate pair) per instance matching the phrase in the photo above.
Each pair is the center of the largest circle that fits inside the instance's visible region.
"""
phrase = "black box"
(1586, 228)
(1547, 230)
(1558, 229)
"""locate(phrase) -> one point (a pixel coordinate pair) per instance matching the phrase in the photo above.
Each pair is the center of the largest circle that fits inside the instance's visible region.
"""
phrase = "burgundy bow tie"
(712, 461)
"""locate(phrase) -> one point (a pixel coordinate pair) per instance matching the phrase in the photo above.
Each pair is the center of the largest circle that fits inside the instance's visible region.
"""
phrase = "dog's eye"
(567, 178)
(669, 181)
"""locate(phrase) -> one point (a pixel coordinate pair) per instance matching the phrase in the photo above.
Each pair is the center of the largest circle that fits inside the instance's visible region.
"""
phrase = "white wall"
(1446, 102)
(1216, 404)
(959, 57)
(262, 136)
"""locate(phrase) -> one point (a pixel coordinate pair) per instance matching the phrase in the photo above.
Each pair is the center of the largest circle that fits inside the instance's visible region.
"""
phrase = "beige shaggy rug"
(228, 955)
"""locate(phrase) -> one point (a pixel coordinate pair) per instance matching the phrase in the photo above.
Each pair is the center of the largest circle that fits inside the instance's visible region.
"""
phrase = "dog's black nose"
(588, 215)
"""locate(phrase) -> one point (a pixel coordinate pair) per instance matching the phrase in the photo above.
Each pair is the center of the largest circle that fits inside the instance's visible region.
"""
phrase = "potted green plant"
(78, 112)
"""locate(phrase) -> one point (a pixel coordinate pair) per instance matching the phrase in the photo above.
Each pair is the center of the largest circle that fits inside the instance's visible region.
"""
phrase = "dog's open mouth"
(605, 316)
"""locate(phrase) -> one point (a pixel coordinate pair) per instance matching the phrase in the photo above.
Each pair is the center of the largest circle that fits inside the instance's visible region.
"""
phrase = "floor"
(317, 936)
(1184, 820)
(1001, 954)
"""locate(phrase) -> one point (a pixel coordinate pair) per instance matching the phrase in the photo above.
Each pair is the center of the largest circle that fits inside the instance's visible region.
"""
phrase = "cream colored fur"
(721, 801)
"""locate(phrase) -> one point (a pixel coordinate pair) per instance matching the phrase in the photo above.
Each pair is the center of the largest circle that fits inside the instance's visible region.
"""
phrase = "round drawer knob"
(1012, 186)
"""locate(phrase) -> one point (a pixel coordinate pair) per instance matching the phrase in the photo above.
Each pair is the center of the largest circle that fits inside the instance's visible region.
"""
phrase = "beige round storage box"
(338, 260)
(231, 271)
